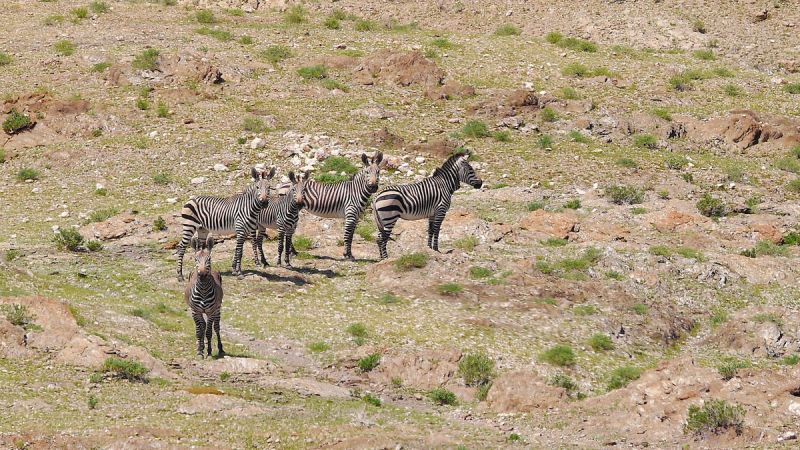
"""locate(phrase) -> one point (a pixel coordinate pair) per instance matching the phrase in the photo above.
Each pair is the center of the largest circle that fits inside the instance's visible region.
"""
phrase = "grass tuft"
(559, 355)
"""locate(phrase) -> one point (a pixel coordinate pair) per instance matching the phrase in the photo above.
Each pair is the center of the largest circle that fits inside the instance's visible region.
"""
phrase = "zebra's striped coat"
(203, 295)
(236, 214)
(426, 199)
(282, 214)
(347, 199)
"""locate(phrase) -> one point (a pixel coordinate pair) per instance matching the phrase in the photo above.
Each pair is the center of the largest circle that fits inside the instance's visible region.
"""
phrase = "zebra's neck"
(450, 175)
(204, 284)
(251, 200)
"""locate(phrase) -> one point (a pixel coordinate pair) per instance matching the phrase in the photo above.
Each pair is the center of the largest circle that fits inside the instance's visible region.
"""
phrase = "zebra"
(426, 199)
(282, 214)
(346, 199)
(204, 296)
(235, 214)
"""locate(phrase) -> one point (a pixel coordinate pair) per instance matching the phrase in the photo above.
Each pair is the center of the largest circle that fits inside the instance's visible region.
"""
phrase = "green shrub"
(142, 104)
(365, 25)
(699, 26)
(614, 275)
(476, 369)
(99, 7)
(791, 238)
(765, 248)
(475, 129)
(16, 122)
(483, 391)
(358, 331)
(318, 347)
(710, 206)
(545, 142)
(101, 67)
(4, 59)
(553, 37)
(723, 72)
(549, 114)
(94, 246)
(601, 342)
(718, 317)
(101, 215)
(96, 377)
(224, 376)
(715, 416)
(331, 84)
(569, 93)
(625, 195)
(449, 289)
(728, 368)
(578, 137)
(246, 40)
(254, 125)
(571, 43)
(584, 310)
(159, 224)
(389, 298)
(794, 185)
(467, 243)
(69, 239)
(295, 15)
(127, 369)
(554, 242)
(162, 178)
(640, 308)
(502, 136)
(205, 16)
(627, 163)
(317, 72)
(19, 315)
(367, 363)
(302, 243)
(220, 35)
(788, 164)
(366, 230)
(442, 43)
(507, 30)
(621, 376)
(731, 90)
(53, 19)
(573, 204)
(559, 355)
(12, 254)
(330, 178)
(332, 23)
(790, 360)
(645, 141)
(705, 55)
(792, 88)
(662, 113)
(372, 400)
(276, 53)
(162, 110)
(442, 396)
(80, 13)
(536, 205)
(563, 381)
(478, 272)
(676, 162)
(92, 402)
(410, 261)
(147, 60)
(575, 70)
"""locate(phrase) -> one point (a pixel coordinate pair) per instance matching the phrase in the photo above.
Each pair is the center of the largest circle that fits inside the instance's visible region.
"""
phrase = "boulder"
(523, 392)
(425, 370)
(552, 224)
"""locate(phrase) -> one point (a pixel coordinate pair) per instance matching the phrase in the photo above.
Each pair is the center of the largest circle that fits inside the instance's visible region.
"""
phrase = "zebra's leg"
(220, 351)
(237, 254)
(260, 246)
(437, 226)
(254, 244)
(383, 239)
(350, 224)
(209, 331)
(281, 235)
(200, 331)
(430, 231)
(186, 236)
(288, 245)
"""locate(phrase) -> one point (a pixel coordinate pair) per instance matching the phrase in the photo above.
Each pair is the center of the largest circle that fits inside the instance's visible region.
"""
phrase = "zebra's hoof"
(200, 355)
(180, 279)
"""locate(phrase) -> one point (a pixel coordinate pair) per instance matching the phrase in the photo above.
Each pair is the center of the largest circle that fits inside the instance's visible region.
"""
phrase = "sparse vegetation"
(475, 129)
(728, 368)
(710, 206)
(467, 243)
(577, 136)
(69, 239)
(549, 114)
(507, 30)
(625, 195)
(558, 355)
(216, 33)
(449, 289)
(571, 43)
(254, 125)
(705, 54)
(365, 25)
(676, 162)
(159, 224)
(99, 7)
(731, 90)
(699, 26)
(372, 400)
(276, 53)
(205, 16)
(621, 376)
(5, 59)
(20, 316)
(545, 142)
(601, 342)
(714, 416)
(411, 261)
(765, 248)
(502, 136)
(442, 396)
(645, 141)
(147, 60)
(317, 72)
(296, 15)
(302, 243)
(627, 163)
(126, 369)
(662, 113)
(640, 308)
(573, 204)
(367, 363)
(792, 88)
(476, 369)
(16, 122)
(358, 331)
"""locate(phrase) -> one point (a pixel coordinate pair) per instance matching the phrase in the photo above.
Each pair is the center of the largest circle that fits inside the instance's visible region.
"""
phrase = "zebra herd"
(251, 212)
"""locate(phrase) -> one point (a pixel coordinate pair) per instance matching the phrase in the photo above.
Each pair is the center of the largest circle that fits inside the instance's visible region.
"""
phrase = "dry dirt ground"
(589, 232)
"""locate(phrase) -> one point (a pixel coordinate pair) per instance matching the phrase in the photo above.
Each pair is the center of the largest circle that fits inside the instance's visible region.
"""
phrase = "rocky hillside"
(626, 276)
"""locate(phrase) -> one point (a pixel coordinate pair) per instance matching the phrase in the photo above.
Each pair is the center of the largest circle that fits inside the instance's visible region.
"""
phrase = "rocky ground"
(630, 258)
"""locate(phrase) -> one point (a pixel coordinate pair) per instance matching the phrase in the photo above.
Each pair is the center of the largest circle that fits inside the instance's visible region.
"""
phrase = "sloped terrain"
(630, 260)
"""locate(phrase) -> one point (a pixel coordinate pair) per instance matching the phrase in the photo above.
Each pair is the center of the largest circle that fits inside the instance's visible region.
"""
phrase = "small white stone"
(794, 408)
(257, 143)
(172, 200)
(64, 214)
(295, 161)
(153, 134)
(419, 159)
(55, 228)
(198, 180)
(99, 186)
(422, 172)
(220, 167)
(36, 190)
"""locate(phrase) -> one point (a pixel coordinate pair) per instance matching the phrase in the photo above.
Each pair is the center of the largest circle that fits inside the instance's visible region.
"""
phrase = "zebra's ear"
(209, 242)
(377, 158)
(292, 177)
(365, 159)
(255, 174)
(307, 175)
(271, 173)
(195, 243)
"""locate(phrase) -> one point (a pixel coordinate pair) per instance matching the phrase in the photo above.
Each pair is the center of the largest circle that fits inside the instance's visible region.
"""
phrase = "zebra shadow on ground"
(294, 279)
(358, 260)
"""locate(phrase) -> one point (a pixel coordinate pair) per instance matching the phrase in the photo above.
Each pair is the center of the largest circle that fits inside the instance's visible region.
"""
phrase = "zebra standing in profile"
(426, 199)
(282, 214)
(236, 214)
(346, 199)
(204, 296)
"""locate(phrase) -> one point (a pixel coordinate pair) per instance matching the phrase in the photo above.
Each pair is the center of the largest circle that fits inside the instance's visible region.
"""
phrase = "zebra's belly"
(327, 214)
(414, 216)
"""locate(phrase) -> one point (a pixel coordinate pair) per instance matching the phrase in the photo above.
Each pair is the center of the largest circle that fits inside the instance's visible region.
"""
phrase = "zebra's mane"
(449, 163)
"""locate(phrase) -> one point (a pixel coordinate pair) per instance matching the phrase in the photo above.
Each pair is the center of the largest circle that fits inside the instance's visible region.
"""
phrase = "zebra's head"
(261, 178)
(202, 254)
(299, 187)
(466, 174)
(372, 169)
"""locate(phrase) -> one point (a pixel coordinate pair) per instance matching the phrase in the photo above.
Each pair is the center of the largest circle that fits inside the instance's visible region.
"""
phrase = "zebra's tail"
(378, 222)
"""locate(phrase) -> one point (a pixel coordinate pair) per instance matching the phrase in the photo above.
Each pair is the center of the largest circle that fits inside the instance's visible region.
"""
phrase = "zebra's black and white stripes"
(204, 296)
(346, 199)
(426, 199)
(236, 214)
(282, 214)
